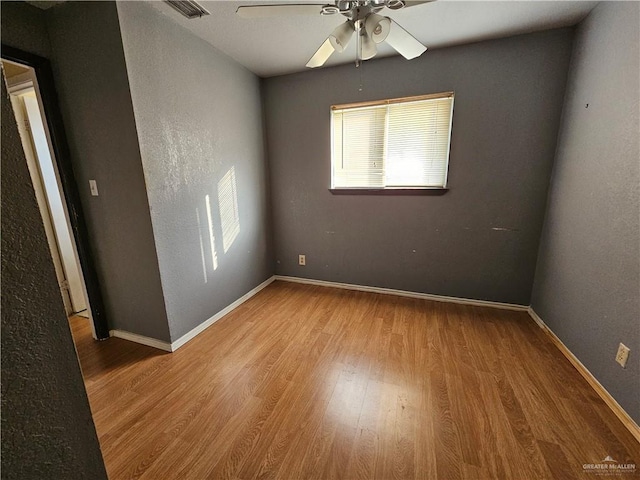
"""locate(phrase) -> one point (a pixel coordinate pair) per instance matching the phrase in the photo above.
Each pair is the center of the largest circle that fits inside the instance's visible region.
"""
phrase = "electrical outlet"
(623, 355)
(302, 260)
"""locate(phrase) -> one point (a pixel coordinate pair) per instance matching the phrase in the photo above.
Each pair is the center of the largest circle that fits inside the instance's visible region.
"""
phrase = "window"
(392, 144)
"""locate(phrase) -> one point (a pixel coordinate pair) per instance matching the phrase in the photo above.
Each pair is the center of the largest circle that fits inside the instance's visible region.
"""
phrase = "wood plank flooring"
(306, 382)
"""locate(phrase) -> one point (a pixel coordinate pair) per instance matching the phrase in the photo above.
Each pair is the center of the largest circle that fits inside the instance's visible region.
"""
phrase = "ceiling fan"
(363, 19)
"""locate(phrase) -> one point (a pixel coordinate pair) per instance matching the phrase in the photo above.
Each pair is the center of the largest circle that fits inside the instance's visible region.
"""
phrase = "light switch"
(94, 188)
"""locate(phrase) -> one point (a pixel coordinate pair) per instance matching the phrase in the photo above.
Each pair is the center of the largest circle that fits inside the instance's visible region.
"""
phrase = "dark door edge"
(44, 75)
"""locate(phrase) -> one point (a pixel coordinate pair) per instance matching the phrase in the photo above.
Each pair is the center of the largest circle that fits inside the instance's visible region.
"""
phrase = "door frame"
(15, 91)
(62, 159)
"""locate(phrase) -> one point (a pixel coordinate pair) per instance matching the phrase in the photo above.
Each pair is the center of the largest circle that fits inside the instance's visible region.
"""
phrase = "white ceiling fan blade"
(256, 11)
(321, 55)
(403, 42)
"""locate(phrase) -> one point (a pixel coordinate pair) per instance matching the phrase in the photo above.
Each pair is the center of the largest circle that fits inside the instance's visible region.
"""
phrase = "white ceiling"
(280, 45)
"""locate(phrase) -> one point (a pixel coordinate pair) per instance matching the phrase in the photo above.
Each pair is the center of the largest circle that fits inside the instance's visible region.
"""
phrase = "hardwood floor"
(312, 382)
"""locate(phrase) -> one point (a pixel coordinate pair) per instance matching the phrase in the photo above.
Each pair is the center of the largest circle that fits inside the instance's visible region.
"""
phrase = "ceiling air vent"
(188, 8)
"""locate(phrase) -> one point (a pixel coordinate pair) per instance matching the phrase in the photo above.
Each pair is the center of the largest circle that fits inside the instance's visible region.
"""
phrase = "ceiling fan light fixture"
(341, 36)
(377, 27)
(368, 47)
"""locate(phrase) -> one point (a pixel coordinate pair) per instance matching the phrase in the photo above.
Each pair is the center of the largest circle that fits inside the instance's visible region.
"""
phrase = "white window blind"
(401, 143)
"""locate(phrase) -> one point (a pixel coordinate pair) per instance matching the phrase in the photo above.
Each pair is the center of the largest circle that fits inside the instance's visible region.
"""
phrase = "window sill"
(389, 191)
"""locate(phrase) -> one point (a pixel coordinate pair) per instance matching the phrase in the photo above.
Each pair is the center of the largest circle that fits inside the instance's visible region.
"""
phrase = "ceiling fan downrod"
(358, 26)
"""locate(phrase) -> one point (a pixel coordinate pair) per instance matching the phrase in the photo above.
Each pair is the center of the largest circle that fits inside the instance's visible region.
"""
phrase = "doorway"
(27, 108)
(30, 85)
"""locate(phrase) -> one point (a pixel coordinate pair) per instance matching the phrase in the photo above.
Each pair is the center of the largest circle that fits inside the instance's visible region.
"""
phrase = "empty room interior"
(360, 239)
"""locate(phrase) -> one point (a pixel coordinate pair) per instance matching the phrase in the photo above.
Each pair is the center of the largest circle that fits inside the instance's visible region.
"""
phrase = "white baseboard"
(404, 293)
(206, 324)
(611, 402)
(172, 347)
(134, 337)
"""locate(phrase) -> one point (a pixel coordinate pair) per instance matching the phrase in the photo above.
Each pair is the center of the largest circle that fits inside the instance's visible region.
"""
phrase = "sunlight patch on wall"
(204, 262)
(214, 255)
(184, 139)
(228, 204)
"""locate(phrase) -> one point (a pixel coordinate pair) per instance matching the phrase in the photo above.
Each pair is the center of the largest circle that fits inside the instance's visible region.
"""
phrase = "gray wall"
(47, 429)
(507, 109)
(587, 286)
(24, 27)
(93, 88)
(198, 115)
